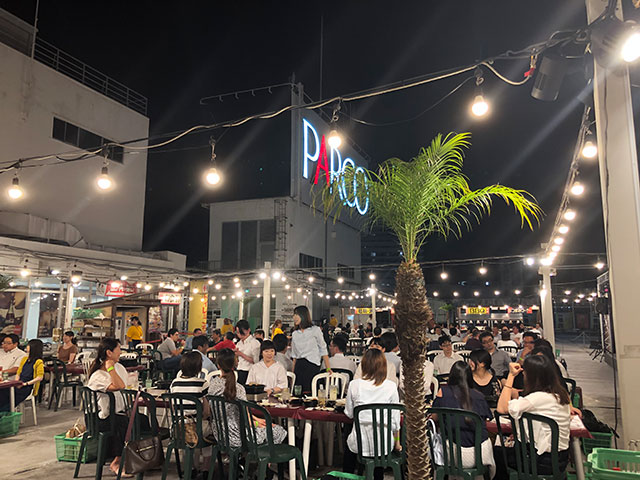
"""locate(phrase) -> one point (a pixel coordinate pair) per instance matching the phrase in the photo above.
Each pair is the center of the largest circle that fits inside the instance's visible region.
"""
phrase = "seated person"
(226, 343)
(281, 343)
(500, 359)
(473, 340)
(506, 340)
(459, 393)
(216, 337)
(528, 343)
(188, 381)
(197, 332)
(30, 373)
(391, 369)
(11, 355)
(443, 361)
(544, 394)
(171, 354)
(337, 348)
(483, 379)
(268, 371)
(226, 386)
(372, 387)
(453, 334)
(201, 345)
(67, 351)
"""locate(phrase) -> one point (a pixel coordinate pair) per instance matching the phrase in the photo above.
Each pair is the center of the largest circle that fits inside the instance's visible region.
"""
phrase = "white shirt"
(285, 361)
(391, 373)
(442, 364)
(309, 344)
(393, 358)
(546, 404)
(271, 377)
(11, 359)
(342, 362)
(363, 392)
(100, 381)
(516, 337)
(251, 347)
(428, 376)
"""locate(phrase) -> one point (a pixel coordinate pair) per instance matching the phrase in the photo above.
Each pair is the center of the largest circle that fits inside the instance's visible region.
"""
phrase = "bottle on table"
(322, 397)
(333, 393)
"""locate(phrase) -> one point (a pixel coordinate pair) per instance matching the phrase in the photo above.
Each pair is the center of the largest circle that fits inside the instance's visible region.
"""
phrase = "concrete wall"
(31, 94)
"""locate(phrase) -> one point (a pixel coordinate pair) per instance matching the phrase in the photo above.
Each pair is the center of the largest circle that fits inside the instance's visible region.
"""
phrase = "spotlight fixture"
(15, 191)
(479, 107)
(613, 40)
(549, 76)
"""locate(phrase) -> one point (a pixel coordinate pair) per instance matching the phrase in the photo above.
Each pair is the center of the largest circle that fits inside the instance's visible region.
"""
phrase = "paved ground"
(31, 453)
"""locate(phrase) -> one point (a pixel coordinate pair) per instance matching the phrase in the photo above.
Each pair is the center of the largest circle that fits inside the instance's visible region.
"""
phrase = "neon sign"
(331, 166)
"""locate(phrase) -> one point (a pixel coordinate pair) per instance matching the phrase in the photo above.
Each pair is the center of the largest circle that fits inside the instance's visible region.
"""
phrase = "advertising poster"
(12, 306)
(48, 315)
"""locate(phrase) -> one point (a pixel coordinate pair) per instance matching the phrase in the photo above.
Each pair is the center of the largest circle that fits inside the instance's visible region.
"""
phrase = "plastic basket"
(67, 449)
(599, 440)
(611, 464)
(9, 423)
(342, 476)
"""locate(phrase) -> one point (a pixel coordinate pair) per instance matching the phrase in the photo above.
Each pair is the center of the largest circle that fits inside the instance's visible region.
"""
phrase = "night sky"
(176, 53)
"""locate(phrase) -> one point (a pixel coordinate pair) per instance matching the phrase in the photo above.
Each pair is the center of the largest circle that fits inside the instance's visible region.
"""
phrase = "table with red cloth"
(578, 431)
(308, 415)
(11, 384)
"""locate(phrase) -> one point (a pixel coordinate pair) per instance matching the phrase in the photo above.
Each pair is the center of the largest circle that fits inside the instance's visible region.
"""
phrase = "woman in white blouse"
(544, 395)
(373, 387)
(308, 348)
(267, 371)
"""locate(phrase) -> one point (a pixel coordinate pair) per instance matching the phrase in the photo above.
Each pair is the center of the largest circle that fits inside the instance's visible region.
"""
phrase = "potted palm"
(426, 196)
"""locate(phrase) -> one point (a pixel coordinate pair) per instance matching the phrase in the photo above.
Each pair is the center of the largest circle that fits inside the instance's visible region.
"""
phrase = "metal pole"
(60, 297)
(546, 304)
(68, 310)
(266, 298)
(373, 304)
(35, 31)
(621, 211)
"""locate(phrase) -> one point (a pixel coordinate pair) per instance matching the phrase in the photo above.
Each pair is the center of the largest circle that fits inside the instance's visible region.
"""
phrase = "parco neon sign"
(331, 165)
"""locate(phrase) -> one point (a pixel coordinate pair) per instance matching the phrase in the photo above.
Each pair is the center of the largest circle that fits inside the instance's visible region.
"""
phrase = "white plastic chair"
(33, 407)
(434, 387)
(338, 379)
(458, 346)
(129, 356)
(141, 346)
(354, 358)
(82, 355)
(291, 380)
(216, 373)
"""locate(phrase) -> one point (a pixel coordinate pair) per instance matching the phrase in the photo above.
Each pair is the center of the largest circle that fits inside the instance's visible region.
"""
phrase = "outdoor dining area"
(198, 420)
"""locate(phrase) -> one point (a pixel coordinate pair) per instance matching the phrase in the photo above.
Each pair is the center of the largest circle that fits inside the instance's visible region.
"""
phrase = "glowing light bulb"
(15, 190)
(456, 294)
(577, 189)
(590, 149)
(482, 270)
(147, 287)
(212, 176)
(558, 240)
(563, 229)
(276, 275)
(479, 107)
(530, 261)
(556, 248)
(476, 294)
(210, 282)
(104, 181)
(25, 272)
(630, 51)
(570, 215)
(565, 300)
(254, 282)
(517, 292)
(310, 279)
(115, 284)
(444, 275)
(436, 294)
(340, 280)
(334, 139)
(262, 275)
(372, 276)
(496, 292)
(196, 290)
(599, 265)
(218, 286)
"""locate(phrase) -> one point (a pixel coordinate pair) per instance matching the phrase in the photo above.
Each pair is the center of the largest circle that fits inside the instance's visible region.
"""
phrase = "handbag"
(144, 454)
(437, 451)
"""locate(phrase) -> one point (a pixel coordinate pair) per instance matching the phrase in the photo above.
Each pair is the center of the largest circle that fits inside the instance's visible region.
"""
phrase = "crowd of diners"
(489, 377)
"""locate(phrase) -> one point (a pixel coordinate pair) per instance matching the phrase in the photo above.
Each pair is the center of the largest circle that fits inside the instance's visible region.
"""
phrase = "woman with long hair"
(30, 373)
(226, 386)
(107, 375)
(308, 348)
(134, 333)
(545, 395)
(373, 387)
(277, 329)
(459, 393)
(483, 378)
(67, 351)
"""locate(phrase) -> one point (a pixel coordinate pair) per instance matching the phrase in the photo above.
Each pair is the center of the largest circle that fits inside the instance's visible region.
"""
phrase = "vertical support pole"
(374, 293)
(266, 298)
(60, 306)
(546, 305)
(620, 189)
(68, 310)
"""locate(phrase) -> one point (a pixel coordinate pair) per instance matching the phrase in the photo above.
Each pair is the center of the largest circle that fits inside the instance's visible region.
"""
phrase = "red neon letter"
(323, 163)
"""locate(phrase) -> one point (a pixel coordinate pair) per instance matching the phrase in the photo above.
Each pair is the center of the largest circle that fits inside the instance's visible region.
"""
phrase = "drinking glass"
(285, 394)
(297, 390)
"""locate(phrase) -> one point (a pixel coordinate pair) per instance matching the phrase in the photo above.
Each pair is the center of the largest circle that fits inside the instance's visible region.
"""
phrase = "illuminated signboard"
(329, 162)
(364, 311)
(477, 311)
(170, 298)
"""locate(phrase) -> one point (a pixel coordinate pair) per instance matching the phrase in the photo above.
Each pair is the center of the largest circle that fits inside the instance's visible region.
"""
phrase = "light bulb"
(476, 294)
(212, 176)
(15, 190)
(590, 149)
(567, 292)
(553, 254)
(310, 279)
(435, 294)
(263, 275)
(630, 51)
(581, 295)
(218, 286)
(444, 275)
(298, 289)
(570, 215)
(186, 284)
(224, 297)
(115, 284)
(25, 272)
(496, 292)
(195, 290)
(191, 299)
(479, 107)
(210, 282)
(530, 261)
(546, 261)
(138, 285)
(254, 281)
(556, 248)
(161, 284)
(276, 275)
(599, 265)
(577, 189)
(123, 277)
(456, 294)
(565, 300)
(55, 271)
(482, 270)
(563, 229)
(340, 280)
(104, 181)
(334, 140)
(76, 276)
(558, 240)
(147, 287)
(236, 280)
(372, 276)
(517, 292)
(287, 286)
(176, 288)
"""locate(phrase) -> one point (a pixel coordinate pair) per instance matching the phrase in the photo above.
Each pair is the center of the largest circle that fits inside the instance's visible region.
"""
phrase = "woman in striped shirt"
(188, 382)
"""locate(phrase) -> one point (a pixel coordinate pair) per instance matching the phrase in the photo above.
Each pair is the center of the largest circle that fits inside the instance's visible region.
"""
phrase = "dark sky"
(177, 52)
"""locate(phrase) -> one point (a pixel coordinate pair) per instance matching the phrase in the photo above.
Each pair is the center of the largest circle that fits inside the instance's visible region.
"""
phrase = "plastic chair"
(571, 387)
(431, 354)
(525, 451)
(142, 346)
(435, 386)
(338, 379)
(383, 442)
(82, 355)
(178, 403)
(268, 452)
(457, 346)
(344, 371)
(450, 421)
(443, 378)
(60, 382)
(509, 349)
(216, 373)
(464, 354)
(354, 358)
(32, 399)
(219, 408)
(91, 421)
(291, 380)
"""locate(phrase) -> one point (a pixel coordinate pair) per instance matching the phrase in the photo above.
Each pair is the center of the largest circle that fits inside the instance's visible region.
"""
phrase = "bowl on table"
(254, 388)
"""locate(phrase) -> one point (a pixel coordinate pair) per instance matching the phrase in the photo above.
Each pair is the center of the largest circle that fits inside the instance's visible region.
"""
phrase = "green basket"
(599, 440)
(67, 449)
(611, 464)
(343, 475)
(9, 423)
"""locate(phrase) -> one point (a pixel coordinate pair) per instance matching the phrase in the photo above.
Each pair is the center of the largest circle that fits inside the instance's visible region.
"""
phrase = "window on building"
(347, 272)
(79, 137)
(247, 244)
(309, 261)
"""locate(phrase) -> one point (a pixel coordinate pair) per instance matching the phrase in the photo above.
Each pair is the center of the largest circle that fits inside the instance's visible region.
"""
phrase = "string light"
(340, 280)
(372, 276)
(218, 286)
(496, 292)
(476, 293)
(482, 270)
(479, 107)
(456, 294)
(76, 276)
(104, 181)
(124, 277)
(311, 279)
(276, 275)
(15, 191)
(563, 229)
(334, 139)
(147, 287)
(517, 292)
(577, 189)
(570, 215)
(558, 240)
(210, 281)
(567, 292)
(212, 176)
(556, 248)
(599, 265)
(590, 147)
(444, 275)
(436, 294)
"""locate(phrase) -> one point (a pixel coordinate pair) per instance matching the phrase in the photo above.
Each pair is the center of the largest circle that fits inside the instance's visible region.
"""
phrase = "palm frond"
(425, 196)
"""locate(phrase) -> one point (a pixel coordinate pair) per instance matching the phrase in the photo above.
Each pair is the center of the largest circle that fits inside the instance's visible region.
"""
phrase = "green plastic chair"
(450, 422)
(219, 408)
(268, 452)
(381, 416)
(178, 403)
(91, 421)
(525, 451)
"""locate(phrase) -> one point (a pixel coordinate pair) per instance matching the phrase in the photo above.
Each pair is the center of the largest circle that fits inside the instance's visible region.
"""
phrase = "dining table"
(11, 385)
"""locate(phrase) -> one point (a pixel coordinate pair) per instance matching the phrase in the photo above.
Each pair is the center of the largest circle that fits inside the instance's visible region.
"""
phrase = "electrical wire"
(505, 79)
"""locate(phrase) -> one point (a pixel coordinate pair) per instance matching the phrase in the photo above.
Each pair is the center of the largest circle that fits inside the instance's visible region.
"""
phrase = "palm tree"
(425, 196)
(448, 308)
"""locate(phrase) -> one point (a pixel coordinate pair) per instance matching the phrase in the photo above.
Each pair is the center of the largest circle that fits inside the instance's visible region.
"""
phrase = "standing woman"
(308, 348)
(227, 326)
(134, 333)
(277, 328)
(107, 375)
(30, 373)
(67, 351)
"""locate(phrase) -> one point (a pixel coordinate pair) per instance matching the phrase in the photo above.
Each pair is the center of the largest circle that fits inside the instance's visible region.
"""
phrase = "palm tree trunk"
(413, 318)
